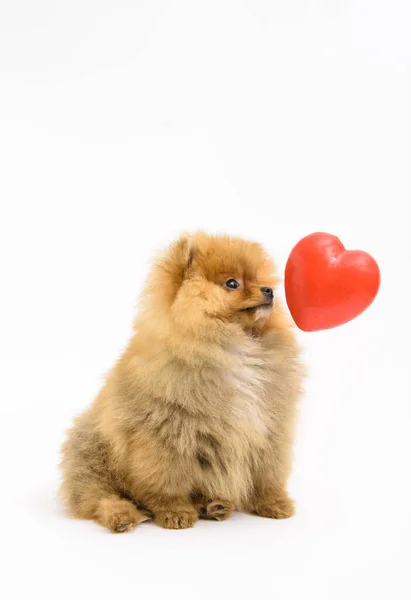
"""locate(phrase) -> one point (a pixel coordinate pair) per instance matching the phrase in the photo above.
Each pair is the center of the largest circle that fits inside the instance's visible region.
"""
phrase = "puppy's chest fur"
(248, 384)
(235, 406)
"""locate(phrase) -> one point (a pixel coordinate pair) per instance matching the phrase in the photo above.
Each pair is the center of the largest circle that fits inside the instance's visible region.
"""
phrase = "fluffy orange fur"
(196, 419)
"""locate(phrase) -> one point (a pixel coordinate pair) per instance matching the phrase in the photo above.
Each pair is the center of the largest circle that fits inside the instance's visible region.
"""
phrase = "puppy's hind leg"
(104, 505)
(119, 514)
(90, 489)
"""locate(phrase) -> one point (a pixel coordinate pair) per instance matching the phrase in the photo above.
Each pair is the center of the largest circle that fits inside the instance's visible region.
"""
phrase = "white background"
(123, 123)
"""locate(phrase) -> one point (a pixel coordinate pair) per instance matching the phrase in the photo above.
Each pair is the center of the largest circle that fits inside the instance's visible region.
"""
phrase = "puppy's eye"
(232, 284)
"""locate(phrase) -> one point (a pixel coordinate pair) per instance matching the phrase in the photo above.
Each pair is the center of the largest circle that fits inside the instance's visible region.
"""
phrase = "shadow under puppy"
(197, 416)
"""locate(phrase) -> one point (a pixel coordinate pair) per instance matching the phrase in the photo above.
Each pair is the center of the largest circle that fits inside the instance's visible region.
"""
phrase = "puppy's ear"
(176, 262)
(183, 252)
(190, 249)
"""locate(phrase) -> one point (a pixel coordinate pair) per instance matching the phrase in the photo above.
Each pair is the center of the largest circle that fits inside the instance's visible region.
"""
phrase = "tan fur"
(197, 416)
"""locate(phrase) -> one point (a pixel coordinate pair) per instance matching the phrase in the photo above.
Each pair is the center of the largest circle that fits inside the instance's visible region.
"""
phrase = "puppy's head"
(203, 278)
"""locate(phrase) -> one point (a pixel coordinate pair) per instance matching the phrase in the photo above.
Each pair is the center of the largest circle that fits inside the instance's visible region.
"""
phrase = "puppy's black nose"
(267, 291)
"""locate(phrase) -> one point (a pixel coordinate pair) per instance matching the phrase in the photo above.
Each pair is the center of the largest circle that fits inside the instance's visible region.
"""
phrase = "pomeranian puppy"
(196, 419)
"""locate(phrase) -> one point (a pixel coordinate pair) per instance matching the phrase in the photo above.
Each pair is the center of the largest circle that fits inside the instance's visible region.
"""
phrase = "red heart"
(327, 285)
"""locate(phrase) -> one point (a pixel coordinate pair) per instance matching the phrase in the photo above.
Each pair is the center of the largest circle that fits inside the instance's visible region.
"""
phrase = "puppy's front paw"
(218, 510)
(275, 508)
(171, 519)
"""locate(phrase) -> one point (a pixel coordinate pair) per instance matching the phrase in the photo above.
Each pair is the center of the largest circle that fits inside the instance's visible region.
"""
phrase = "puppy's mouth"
(250, 309)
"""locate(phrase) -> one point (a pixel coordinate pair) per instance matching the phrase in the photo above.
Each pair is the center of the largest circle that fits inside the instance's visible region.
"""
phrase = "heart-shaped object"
(327, 285)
